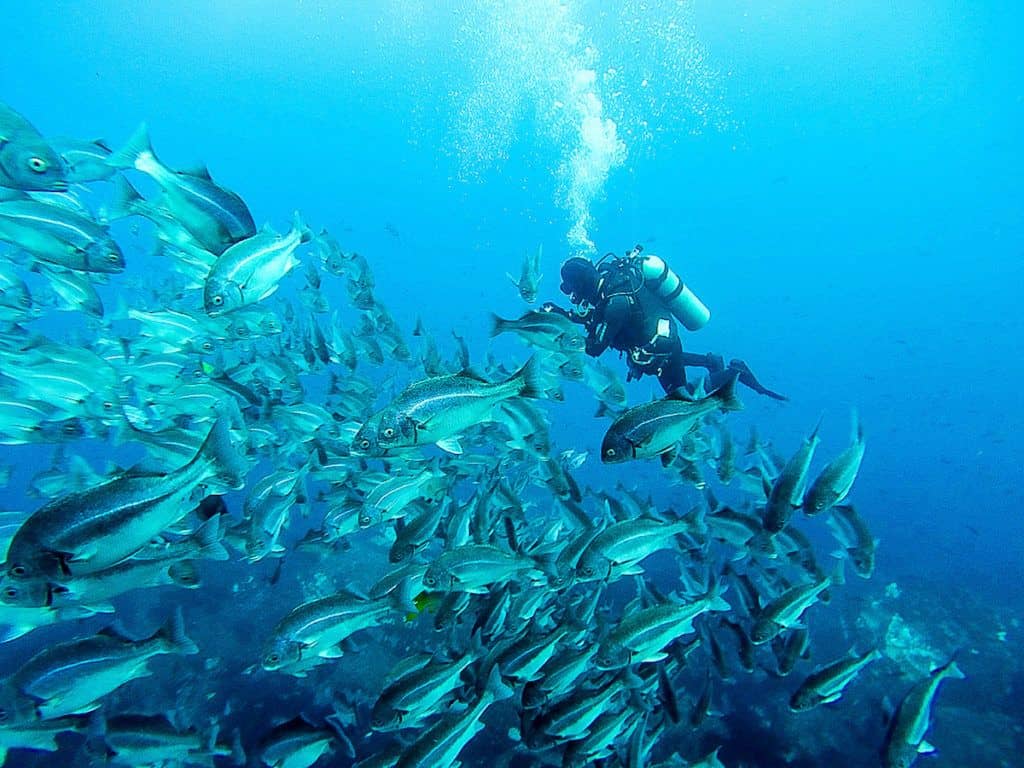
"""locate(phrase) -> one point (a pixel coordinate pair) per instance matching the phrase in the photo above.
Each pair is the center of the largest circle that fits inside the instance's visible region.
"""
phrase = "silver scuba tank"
(678, 299)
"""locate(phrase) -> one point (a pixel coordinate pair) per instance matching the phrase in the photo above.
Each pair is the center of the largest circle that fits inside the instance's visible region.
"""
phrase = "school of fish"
(276, 413)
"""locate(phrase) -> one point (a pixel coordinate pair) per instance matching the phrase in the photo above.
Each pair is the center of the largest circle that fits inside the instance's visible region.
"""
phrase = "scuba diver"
(629, 304)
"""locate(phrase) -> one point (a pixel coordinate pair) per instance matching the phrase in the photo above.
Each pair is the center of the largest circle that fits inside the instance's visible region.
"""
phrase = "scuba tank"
(666, 284)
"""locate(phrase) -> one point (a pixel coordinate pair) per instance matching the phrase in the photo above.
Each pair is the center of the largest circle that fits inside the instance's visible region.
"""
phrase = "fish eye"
(610, 452)
(364, 443)
(217, 300)
(273, 658)
(113, 258)
(429, 580)
(18, 570)
(207, 346)
(389, 432)
(38, 164)
(107, 405)
(10, 592)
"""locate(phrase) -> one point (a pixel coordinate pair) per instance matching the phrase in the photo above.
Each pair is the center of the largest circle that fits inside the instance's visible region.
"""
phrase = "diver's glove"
(550, 306)
(594, 347)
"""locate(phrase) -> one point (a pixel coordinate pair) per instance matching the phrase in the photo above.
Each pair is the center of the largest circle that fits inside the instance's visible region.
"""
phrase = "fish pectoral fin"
(667, 457)
(64, 559)
(651, 658)
(925, 748)
(93, 608)
(334, 652)
(450, 445)
(832, 697)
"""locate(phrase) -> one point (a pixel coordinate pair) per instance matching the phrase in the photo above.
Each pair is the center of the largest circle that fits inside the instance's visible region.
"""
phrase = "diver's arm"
(711, 361)
(552, 307)
(614, 318)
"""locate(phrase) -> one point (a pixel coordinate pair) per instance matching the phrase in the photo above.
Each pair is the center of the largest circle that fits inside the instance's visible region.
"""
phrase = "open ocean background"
(840, 182)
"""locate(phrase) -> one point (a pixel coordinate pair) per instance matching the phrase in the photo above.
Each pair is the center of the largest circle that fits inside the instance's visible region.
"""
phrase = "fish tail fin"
(403, 597)
(497, 687)
(531, 379)
(95, 736)
(238, 756)
(137, 147)
(305, 233)
(839, 572)
(951, 668)
(125, 201)
(857, 428)
(726, 395)
(497, 325)
(714, 595)
(228, 466)
(173, 632)
(208, 540)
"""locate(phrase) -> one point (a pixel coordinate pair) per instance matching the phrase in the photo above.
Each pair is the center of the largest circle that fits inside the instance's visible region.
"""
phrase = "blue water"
(839, 182)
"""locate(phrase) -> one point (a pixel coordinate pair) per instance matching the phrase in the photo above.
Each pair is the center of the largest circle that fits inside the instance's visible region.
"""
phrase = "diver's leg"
(746, 376)
(671, 370)
(710, 361)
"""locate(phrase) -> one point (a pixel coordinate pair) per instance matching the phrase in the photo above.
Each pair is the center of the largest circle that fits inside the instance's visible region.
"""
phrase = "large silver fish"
(654, 429)
(86, 531)
(70, 678)
(215, 216)
(827, 684)
(834, 482)
(529, 276)
(251, 270)
(906, 737)
(27, 161)
(787, 490)
(545, 330)
(642, 635)
(55, 234)
(437, 409)
(786, 609)
(311, 633)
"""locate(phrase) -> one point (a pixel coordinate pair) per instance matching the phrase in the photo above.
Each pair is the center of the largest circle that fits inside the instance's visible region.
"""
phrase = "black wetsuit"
(629, 317)
(632, 319)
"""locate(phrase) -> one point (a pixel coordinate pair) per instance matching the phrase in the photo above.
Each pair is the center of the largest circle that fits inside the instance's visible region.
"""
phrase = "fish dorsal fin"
(199, 171)
(102, 144)
(472, 373)
(669, 456)
(147, 467)
(681, 393)
(115, 631)
(299, 721)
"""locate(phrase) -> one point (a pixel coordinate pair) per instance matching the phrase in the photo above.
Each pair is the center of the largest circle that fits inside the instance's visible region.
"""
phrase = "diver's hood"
(579, 280)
